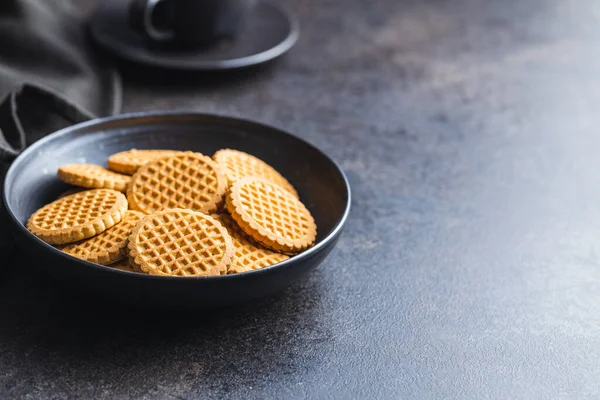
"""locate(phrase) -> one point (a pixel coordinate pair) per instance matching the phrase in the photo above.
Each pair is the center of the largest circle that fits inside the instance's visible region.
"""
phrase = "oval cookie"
(237, 165)
(271, 215)
(187, 180)
(248, 254)
(108, 247)
(128, 162)
(78, 216)
(93, 177)
(180, 242)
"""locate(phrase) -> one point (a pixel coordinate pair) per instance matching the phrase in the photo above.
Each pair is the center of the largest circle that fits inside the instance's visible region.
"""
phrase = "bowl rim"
(335, 232)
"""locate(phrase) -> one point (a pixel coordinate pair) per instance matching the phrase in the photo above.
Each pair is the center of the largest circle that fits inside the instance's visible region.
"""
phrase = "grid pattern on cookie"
(185, 244)
(232, 228)
(238, 165)
(275, 209)
(248, 255)
(115, 237)
(183, 181)
(137, 158)
(95, 172)
(75, 209)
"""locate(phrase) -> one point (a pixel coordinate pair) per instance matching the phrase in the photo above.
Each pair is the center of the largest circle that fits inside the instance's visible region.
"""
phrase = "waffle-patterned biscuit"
(271, 215)
(238, 164)
(123, 265)
(248, 254)
(128, 162)
(187, 180)
(93, 177)
(108, 247)
(179, 242)
(78, 216)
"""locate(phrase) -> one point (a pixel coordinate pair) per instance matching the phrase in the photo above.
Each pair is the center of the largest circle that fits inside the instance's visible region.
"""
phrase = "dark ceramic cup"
(190, 23)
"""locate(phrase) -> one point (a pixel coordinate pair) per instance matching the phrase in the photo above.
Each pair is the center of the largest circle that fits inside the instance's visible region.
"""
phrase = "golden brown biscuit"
(238, 164)
(249, 255)
(187, 180)
(78, 216)
(93, 177)
(179, 242)
(271, 215)
(109, 246)
(128, 162)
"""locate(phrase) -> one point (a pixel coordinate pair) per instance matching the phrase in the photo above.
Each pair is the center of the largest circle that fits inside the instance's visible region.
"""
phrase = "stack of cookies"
(174, 213)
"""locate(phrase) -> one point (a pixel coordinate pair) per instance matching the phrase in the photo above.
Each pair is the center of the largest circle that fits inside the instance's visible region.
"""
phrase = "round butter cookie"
(109, 246)
(128, 162)
(179, 242)
(238, 165)
(271, 215)
(93, 177)
(187, 180)
(78, 216)
(248, 254)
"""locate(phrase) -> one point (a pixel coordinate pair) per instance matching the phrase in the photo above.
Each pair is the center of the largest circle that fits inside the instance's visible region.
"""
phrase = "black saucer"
(269, 32)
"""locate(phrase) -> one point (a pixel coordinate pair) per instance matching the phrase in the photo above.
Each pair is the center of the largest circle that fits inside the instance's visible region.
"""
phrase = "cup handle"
(159, 35)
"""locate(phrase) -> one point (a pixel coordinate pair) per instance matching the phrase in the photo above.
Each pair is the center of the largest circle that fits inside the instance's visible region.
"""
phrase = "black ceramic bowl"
(31, 182)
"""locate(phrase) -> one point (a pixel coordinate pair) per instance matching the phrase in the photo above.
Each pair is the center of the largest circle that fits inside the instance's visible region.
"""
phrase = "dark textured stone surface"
(470, 267)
